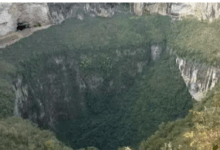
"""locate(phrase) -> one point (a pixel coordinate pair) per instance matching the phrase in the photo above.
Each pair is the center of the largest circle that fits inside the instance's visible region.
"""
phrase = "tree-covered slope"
(197, 40)
(84, 81)
(198, 130)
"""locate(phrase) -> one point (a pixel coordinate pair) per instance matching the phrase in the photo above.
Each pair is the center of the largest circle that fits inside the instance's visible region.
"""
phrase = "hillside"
(109, 83)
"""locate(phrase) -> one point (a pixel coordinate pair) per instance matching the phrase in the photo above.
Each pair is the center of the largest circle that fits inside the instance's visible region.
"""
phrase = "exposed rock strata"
(200, 10)
(198, 78)
(54, 13)
(13, 13)
(41, 14)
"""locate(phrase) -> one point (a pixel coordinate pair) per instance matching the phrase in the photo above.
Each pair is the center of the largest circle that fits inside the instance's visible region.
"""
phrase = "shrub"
(199, 130)
(7, 97)
(17, 133)
(197, 40)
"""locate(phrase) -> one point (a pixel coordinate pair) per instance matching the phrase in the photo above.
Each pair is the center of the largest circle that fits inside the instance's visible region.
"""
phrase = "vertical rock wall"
(7, 22)
(54, 13)
(200, 10)
(198, 78)
(41, 14)
(30, 13)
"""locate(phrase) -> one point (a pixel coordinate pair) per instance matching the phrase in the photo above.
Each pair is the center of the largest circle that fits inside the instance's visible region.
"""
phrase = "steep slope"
(197, 44)
(98, 82)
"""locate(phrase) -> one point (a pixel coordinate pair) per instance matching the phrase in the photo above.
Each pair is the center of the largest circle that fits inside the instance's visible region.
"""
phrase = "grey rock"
(208, 11)
(199, 78)
(33, 14)
(156, 51)
(7, 21)
(137, 8)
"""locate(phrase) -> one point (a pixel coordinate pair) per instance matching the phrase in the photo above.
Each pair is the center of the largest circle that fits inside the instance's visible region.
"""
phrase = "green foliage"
(89, 148)
(197, 40)
(110, 48)
(199, 130)
(119, 32)
(6, 69)
(164, 97)
(37, 25)
(7, 97)
(17, 133)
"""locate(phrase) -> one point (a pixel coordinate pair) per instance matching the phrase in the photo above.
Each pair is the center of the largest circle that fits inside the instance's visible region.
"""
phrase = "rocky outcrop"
(158, 8)
(30, 14)
(40, 14)
(13, 37)
(137, 8)
(156, 51)
(61, 11)
(200, 10)
(198, 78)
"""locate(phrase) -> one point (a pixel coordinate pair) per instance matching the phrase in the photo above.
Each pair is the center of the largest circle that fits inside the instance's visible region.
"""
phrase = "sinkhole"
(99, 82)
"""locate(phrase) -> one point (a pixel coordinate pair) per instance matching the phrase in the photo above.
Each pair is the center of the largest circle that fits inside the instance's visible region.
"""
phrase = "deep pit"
(99, 82)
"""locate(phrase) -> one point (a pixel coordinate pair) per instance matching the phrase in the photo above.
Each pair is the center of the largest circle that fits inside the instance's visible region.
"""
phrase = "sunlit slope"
(19, 134)
(197, 40)
(199, 130)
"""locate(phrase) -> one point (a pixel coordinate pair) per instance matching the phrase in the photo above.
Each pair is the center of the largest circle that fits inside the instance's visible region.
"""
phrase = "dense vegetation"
(199, 130)
(20, 134)
(121, 32)
(115, 116)
(163, 97)
(110, 48)
(7, 95)
(197, 40)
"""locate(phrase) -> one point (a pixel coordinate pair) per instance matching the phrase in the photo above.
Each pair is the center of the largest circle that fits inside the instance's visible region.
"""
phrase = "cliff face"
(40, 14)
(28, 14)
(201, 10)
(199, 78)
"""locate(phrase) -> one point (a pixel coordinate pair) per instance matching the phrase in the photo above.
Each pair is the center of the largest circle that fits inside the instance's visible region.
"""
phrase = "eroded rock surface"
(208, 11)
(198, 78)
(31, 14)
(41, 14)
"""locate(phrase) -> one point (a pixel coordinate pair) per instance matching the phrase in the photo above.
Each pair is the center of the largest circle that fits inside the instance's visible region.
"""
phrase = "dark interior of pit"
(95, 83)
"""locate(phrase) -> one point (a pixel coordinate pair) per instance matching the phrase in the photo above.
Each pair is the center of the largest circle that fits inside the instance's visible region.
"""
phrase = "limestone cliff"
(35, 14)
(27, 13)
(199, 78)
(41, 14)
(201, 10)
